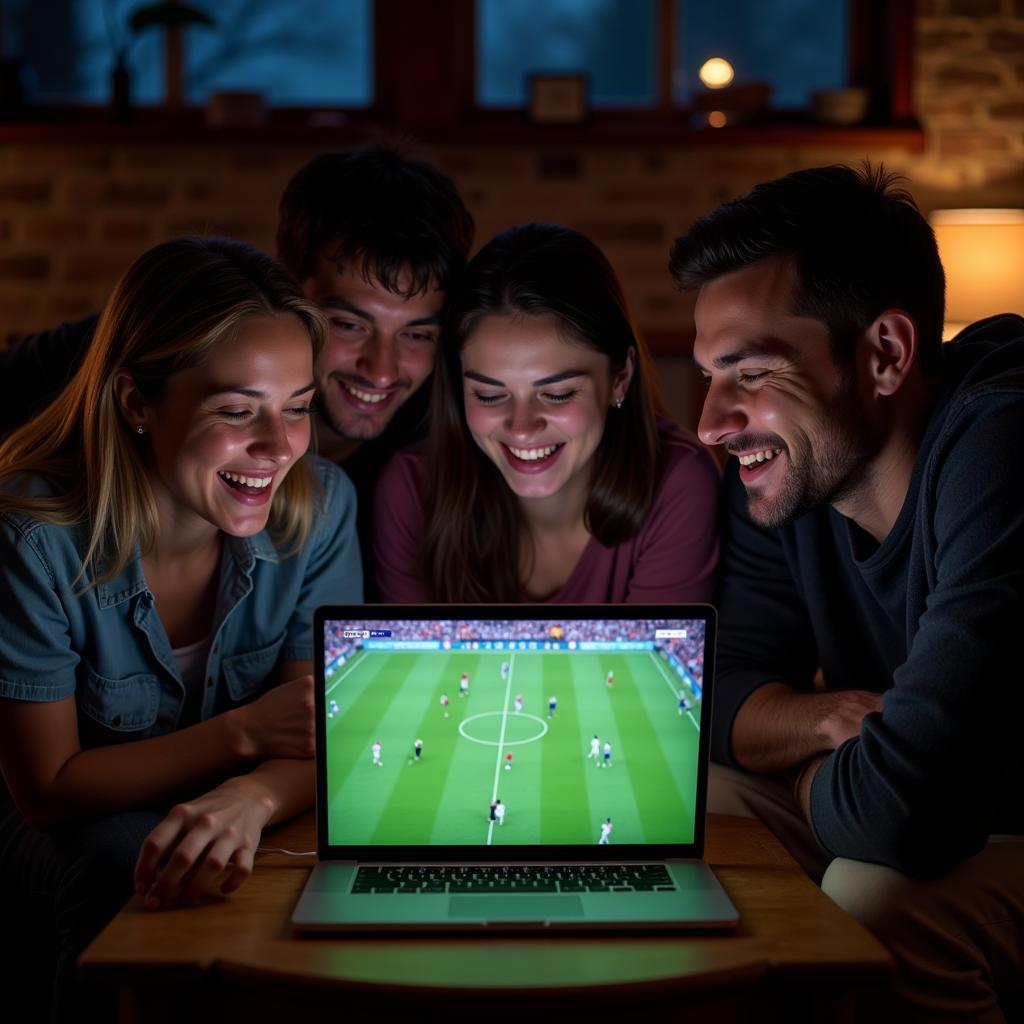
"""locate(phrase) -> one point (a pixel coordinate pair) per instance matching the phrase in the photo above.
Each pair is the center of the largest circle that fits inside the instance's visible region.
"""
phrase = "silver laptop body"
(512, 767)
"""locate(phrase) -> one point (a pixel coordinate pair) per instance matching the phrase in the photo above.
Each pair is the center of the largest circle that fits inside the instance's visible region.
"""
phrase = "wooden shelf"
(304, 128)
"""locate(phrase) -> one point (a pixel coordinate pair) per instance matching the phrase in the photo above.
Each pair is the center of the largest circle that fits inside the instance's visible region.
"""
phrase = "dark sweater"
(931, 617)
(35, 368)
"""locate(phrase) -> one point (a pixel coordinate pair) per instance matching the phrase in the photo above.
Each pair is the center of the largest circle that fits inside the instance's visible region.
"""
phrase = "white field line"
(501, 741)
(345, 672)
(675, 692)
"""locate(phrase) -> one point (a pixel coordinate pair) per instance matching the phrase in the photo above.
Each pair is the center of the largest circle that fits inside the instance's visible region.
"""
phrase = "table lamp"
(982, 252)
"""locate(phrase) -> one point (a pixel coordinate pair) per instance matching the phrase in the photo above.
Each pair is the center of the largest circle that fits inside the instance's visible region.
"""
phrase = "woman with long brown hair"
(547, 476)
(163, 543)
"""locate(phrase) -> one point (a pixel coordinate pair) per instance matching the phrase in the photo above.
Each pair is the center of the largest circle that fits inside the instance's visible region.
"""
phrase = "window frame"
(437, 100)
(424, 86)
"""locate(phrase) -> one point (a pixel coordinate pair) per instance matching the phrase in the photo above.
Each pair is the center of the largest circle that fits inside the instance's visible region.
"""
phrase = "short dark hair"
(858, 242)
(382, 209)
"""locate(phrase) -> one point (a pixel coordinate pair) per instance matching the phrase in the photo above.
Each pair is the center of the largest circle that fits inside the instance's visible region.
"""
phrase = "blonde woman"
(163, 543)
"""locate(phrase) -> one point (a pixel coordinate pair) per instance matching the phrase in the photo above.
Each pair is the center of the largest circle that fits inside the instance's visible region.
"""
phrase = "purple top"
(671, 559)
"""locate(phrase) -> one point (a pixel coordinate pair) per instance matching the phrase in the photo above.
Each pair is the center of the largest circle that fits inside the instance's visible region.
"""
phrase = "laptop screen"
(516, 726)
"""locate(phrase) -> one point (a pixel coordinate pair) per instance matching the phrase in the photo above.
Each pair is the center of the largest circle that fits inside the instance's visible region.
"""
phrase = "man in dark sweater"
(376, 239)
(868, 693)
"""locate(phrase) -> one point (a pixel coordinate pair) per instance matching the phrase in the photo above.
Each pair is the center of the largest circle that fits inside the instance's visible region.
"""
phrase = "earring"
(139, 429)
(618, 403)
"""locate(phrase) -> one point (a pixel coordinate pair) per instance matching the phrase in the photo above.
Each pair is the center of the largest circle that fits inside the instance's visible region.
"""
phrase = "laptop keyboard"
(503, 878)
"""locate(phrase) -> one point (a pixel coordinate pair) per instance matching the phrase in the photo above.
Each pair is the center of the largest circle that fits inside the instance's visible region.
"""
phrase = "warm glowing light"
(982, 252)
(716, 73)
(717, 119)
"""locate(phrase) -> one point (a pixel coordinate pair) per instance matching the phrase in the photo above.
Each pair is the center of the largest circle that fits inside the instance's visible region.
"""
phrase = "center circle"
(511, 718)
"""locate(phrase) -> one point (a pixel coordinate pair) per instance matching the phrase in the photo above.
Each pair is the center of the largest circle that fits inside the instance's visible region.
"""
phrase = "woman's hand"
(185, 858)
(280, 723)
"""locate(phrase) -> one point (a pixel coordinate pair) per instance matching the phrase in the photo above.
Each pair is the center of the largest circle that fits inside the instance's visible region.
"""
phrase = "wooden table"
(796, 955)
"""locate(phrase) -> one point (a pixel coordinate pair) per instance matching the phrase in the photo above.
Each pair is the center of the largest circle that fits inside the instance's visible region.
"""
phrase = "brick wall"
(970, 97)
(72, 217)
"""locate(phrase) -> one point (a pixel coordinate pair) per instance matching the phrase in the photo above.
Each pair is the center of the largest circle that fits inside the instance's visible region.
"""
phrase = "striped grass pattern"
(554, 793)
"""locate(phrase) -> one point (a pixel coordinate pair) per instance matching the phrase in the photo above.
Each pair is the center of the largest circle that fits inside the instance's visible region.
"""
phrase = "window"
(797, 46)
(457, 69)
(302, 52)
(610, 40)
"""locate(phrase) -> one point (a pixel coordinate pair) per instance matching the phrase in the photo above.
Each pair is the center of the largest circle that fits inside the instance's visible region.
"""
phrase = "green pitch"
(554, 793)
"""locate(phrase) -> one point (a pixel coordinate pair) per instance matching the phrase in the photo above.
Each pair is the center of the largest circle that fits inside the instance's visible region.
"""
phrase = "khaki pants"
(958, 940)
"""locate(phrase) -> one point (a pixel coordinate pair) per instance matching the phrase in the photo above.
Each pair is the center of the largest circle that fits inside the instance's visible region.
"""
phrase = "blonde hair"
(171, 306)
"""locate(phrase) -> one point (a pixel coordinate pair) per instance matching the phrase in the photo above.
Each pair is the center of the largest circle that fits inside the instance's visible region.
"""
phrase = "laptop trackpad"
(515, 908)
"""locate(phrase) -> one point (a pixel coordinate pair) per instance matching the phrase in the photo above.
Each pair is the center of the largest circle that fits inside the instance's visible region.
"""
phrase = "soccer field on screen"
(554, 793)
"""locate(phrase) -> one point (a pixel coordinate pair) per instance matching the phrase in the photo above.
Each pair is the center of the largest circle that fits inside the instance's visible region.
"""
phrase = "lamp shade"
(982, 252)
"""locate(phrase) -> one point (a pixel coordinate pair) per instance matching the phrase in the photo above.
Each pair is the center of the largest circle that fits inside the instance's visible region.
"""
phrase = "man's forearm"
(774, 730)
(778, 728)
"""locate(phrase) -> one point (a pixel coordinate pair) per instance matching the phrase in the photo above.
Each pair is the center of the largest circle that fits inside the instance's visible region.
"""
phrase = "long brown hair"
(172, 304)
(473, 519)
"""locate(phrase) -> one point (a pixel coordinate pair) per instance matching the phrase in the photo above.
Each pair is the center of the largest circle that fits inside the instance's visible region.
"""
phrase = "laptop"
(513, 767)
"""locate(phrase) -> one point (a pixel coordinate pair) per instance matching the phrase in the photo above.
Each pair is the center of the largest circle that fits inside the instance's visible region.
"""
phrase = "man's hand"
(279, 724)
(778, 728)
(842, 712)
(184, 859)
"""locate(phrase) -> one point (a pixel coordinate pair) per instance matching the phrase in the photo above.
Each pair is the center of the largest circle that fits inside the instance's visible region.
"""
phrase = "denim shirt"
(107, 645)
